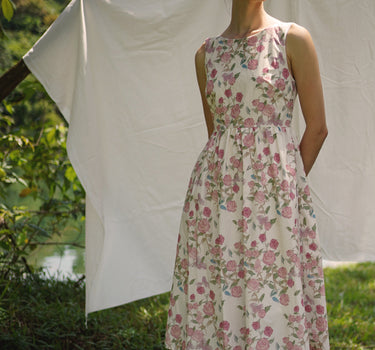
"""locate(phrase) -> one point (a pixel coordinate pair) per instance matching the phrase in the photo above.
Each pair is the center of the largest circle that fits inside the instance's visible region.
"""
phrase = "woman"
(248, 271)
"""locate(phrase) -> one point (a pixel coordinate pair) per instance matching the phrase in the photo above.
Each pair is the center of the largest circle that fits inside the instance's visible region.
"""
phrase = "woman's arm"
(304, 65)
(201, 77)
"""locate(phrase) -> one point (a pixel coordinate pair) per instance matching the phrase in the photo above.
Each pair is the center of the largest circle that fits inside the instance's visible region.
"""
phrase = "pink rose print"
(276, 158)
(262, 344)
(231, 265)
(268, 331)
(239, 97)
(285, 73)
(219, 240)
(256, 325)
(269, 257)
(198, 335)
(176, 331)
(321, 324)
(178, 318)
(260, 48)
(273, 171)
(286, 212)
(235, 188)
(262, 237)
(206, 211)
(213, 73)
(235, 112)
(210, 87)
(228, 93)
(253, 64)
(231, 206)
(249, 140)
(253, 284)
(260, 197)
(227, 180)
(282, 272)
(284, 185)
(208, 308)
(236, 291)
(224, 325)
(225, 57)
(203, 225)
(284, 299)
(269, 110)
(252, 40)
(246, 211)
(200, 290)
(274, 243)
(313, 246)
(266, 151)
(306, 190)
(280, 84)
(320, 309)
(274, 63)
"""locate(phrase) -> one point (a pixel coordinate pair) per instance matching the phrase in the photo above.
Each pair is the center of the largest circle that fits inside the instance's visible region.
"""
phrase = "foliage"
(40, 313)
(33, 158)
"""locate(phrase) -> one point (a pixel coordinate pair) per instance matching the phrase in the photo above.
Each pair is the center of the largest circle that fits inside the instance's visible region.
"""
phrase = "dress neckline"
(251, 35)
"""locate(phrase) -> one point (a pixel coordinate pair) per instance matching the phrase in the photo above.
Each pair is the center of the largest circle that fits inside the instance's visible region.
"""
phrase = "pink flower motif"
(236, 291)
(178, 318)
(200, 290)
(256, 325)
(198, 335)
(219, 240)
(235, 111)
(321, 324)
(274, 243)
(282, 272)
(252, 40)
(246, 211)
(237, 347)
(249, 140)
(221, 100)
(244, 330)
(206, 211)
(290, 104)
(242, 224)
(284, 185)
(221, 153)
(192, 297)
(241, 274)
(313, 246)
(262, 344)
(228, 93)
(286, 212)
(210, 87)
(260, 197)
(231, 265)
(262, 237)
(320, 309)
(225, 57)
(176, 331)
(255, 102)
(249, 122)
(284, 299)
(253, 284)
(235, 188)
(269, 110)
(275, 63)
(224, 325)
(269, 257)
(227, 180)
(268, 331)
(231, 206)
(212, 295)
(276, 158)
(266, 151)
(260, 48)
(280, 84)
(306, 190)
(213, 73)
(239, 97)
(184, 264)
(308, 308)
(273, 171)
(261, 106)
(203, 225)
(208, 308)
(285, 73)
(252, 64)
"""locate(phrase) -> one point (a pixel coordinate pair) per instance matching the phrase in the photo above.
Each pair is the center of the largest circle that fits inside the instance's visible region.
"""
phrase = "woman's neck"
(247, 16)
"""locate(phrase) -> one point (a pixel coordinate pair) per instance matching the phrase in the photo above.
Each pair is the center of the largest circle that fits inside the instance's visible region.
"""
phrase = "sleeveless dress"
(248, 271)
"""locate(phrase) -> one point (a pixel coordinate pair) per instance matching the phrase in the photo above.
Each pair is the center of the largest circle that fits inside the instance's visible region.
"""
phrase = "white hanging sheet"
(122, 74)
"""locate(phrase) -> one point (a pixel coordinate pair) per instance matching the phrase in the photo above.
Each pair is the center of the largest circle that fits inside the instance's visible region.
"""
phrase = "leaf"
(70, 174)
(8, 9)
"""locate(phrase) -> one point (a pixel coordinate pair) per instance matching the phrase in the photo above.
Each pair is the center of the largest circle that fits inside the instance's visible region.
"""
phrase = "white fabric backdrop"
(122, 74)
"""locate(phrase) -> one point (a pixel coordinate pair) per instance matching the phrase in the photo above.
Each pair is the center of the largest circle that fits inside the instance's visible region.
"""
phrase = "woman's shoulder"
(297, 34)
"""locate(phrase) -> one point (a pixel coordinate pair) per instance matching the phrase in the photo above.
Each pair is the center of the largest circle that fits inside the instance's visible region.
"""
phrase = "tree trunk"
(11, 78)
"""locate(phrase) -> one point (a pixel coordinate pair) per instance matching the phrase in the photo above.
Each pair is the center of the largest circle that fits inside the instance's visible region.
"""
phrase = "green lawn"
(49, 314)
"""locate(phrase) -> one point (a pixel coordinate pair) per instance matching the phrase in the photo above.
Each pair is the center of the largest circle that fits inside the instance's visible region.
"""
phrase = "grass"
(39, 313)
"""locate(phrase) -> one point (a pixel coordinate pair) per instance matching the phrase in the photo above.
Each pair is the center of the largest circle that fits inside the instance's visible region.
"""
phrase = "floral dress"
(248, 271)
